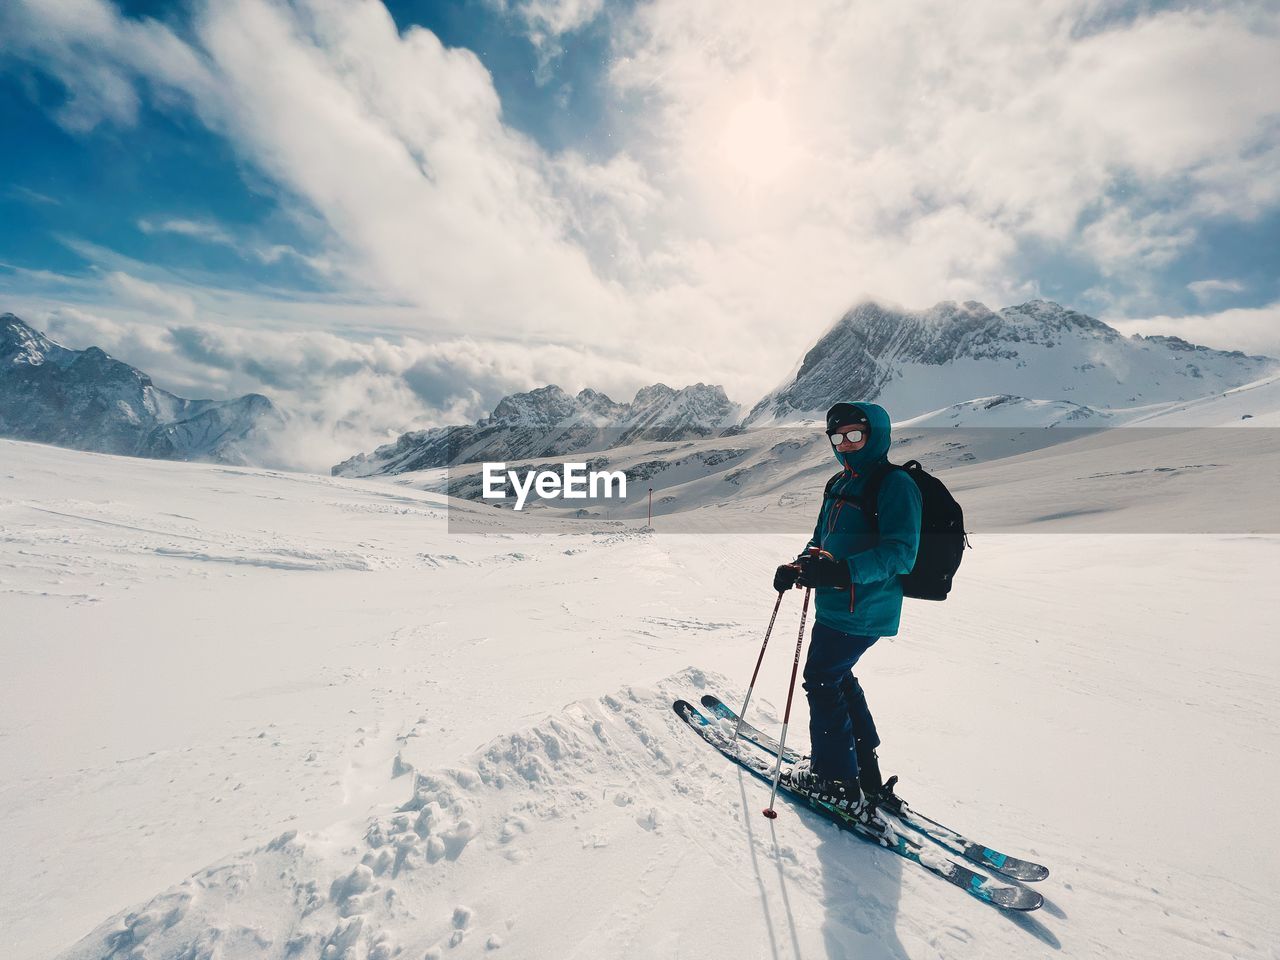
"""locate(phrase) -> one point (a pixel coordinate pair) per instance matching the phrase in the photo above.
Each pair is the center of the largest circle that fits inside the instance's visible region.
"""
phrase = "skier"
(853, 566)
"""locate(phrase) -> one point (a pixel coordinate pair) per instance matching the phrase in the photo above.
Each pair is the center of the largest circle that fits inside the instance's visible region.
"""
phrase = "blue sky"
(396, 213)
(96, 185)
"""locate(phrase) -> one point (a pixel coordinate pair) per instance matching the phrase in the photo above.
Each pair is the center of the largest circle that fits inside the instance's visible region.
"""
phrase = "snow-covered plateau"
(250, 714)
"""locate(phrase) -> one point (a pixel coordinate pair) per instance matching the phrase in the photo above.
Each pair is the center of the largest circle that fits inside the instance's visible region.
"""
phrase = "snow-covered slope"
(916, 362)
(216, 680)
(1008, 411)
(1255, 404)
(548, 422)
(88, 400)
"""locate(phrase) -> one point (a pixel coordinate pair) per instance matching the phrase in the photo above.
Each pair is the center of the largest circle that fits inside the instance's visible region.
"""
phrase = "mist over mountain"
(87, 400)
(915, 362)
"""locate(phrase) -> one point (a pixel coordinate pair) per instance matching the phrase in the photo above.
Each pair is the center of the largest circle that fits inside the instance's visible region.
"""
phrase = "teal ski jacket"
(872, 606)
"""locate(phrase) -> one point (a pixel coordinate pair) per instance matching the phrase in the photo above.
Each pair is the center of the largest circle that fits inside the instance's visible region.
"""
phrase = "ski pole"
(769, 812)
(742, 714)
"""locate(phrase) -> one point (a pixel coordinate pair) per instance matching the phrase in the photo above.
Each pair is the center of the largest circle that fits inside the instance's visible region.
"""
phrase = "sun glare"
(757, 141)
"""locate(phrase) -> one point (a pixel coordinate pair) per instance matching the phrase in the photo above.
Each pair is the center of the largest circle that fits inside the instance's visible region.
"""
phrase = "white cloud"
(1002, 121)
(218, 235)
(98, 54)
(555, 18)
(768, 167)
(26, 194)
(348, 394)
(197, 229)
(1255, 330)
(398, 143)
(547, 22)
(1123, 241)
(1208, 289)
(151, 297)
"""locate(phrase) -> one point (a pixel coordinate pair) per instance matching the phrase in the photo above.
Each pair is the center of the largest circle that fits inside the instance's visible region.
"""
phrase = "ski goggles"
(851, 435)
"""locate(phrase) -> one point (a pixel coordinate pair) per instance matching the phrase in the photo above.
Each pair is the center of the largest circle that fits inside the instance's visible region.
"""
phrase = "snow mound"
(604, 830)
(602, 774)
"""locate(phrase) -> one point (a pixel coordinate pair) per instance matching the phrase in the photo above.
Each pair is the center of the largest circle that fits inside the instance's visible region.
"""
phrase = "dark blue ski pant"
(839, 721)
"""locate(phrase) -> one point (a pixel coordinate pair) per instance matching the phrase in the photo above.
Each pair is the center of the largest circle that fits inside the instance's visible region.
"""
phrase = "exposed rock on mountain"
(915, 362)
(548, 422)
(88, 400)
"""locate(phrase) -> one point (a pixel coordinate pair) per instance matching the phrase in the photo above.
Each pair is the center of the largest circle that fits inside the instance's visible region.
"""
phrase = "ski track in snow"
(194, 660)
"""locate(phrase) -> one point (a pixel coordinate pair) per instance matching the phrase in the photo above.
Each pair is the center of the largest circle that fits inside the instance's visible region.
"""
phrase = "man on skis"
(853, 563)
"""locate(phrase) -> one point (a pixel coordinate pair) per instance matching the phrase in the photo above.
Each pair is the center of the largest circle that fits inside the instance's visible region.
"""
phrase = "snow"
(255, 714)
(1255, 404)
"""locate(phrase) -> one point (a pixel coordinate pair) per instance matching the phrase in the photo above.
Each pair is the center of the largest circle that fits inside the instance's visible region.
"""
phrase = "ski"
(975, 884)
(1013, 867)
(940, 834)
(749, 733)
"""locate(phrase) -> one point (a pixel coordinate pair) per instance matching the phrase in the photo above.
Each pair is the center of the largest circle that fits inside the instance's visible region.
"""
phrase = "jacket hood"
(877, 447)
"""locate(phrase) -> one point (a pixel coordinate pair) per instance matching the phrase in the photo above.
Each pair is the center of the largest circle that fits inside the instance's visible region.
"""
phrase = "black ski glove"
(823, 572)
(784, 578)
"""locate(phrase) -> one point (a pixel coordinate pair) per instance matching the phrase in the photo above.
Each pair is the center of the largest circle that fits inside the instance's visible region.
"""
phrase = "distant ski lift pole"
(651, 506)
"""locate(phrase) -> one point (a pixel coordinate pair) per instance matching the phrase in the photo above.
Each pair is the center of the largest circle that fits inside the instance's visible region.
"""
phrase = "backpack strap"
(876, 483)
(843, 497)
(869, 501)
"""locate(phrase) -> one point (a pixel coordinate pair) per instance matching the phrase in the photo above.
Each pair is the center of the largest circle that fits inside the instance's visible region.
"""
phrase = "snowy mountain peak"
(22, 343)
(915, 362)
(545, 405)
(88, 400)
(548, 422)
(1055, 317)
(654, 393)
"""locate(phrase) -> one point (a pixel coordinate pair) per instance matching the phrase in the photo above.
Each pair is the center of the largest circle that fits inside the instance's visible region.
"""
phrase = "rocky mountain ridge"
(88, 400)
(549, 422)
(1057, 363)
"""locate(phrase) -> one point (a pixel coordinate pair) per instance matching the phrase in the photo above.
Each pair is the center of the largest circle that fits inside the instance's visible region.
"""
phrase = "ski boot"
(845, 798)
(869, 773)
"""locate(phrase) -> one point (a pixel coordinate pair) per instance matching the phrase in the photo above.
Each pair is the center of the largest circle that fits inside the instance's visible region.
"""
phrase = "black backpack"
(942, 536)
